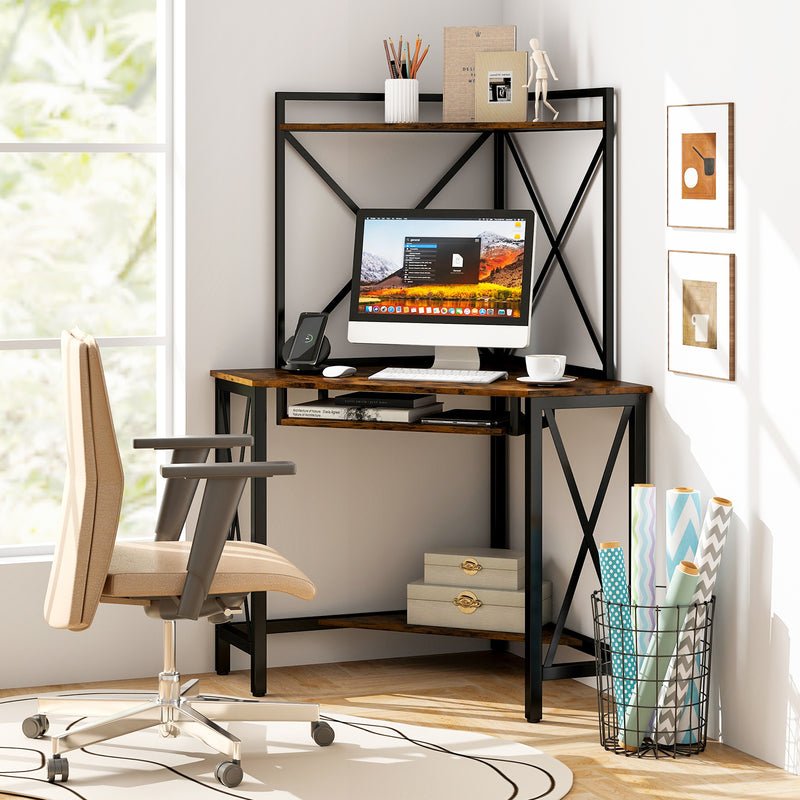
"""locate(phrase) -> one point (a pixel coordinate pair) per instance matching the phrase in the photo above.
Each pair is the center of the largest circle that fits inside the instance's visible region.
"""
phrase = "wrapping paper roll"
(673, 706)
(683, 527)
(659, 655)
(617, 599)
(643, 561)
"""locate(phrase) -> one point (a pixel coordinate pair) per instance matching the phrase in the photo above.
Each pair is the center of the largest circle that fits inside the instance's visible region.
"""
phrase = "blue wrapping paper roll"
(660, 654)
(683, 527)
(620, 631)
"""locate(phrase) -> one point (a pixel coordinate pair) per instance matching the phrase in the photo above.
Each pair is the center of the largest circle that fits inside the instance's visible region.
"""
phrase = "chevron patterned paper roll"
(620, 632)
(643, 560)
(673, 706)
(659, 655)
(683, 527)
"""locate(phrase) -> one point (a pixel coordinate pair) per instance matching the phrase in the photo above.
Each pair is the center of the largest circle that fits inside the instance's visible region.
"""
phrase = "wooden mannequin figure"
(540, 64)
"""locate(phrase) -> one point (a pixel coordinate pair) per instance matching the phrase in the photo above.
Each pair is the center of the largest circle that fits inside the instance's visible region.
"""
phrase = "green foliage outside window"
(78, 241)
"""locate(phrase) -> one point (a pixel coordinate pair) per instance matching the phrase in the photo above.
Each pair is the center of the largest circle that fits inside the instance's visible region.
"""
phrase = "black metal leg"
(258, 533)
(498, 488)
(222, 654)
(533, 562)
(637, 441)
(222, 424)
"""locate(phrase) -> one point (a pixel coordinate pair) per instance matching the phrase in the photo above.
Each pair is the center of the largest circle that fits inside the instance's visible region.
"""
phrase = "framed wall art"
(700, 166)
(701, 314)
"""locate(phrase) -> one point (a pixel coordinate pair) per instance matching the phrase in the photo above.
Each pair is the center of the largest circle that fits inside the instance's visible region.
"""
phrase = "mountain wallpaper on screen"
(501, 264)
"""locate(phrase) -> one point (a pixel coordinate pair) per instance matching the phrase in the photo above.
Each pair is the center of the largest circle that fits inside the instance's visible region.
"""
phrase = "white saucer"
(556, 382)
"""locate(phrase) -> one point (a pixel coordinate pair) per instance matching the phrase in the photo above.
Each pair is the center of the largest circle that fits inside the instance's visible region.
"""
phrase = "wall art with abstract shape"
(700, 166)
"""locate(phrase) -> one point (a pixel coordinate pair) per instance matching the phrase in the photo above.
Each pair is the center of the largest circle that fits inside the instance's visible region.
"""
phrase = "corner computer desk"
(530, 410)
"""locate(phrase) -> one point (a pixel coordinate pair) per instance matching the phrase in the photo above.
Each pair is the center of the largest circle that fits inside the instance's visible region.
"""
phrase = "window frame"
(170, 203)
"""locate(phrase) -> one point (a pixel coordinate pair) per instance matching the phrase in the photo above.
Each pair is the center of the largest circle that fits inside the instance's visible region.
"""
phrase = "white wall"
(737, 440)
(740, 440)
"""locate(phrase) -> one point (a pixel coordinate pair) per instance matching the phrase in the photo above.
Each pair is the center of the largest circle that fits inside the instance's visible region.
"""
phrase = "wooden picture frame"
(701, 319)
(700, 166)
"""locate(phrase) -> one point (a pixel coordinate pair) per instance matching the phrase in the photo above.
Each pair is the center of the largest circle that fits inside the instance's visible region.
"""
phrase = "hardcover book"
(328, 409)
(460, 46)
(380, 399)
(500, 93)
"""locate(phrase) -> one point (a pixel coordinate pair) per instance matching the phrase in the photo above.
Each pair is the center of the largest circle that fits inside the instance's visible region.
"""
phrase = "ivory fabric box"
(477, 609)
(476, 567)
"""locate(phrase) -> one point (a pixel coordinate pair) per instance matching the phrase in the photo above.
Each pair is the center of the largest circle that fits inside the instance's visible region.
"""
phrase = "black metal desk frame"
(529, 414)
(539, 412)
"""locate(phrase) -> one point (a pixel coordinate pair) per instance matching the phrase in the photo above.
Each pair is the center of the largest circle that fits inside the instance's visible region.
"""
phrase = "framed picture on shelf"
(500, 93)
(701, 314)
(700, 166)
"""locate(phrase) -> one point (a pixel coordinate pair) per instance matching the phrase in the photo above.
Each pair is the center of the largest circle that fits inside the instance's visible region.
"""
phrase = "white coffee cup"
(545, 367)
(700, 322)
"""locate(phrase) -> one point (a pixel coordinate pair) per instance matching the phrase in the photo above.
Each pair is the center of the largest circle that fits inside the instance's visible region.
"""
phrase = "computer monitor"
(455, 280)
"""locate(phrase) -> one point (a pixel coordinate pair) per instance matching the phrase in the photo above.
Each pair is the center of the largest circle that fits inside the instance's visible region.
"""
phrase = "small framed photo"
(701, 314)
(700, 166)
(500, 93)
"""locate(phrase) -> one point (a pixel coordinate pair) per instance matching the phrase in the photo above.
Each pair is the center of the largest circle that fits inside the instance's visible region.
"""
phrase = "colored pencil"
(401, 62)
(421, 59)
(396, 59)
(389, 60)
(414, 60)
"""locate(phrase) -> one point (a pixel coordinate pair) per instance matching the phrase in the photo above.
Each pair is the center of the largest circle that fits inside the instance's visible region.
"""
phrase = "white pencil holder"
(401, 100)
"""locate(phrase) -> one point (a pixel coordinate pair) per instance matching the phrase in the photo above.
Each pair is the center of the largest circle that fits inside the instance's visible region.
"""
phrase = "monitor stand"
(445, 357)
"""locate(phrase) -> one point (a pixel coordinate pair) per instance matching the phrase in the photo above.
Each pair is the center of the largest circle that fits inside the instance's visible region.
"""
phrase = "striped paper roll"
(674, 702)
(683, 527)
(620, 632)
(643, 561)
(659, 655)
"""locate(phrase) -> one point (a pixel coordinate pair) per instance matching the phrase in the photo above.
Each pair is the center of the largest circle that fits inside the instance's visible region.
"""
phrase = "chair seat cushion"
(158, 569)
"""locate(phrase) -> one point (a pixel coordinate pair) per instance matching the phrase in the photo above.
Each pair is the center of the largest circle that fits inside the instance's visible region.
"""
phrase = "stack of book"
(369, 407)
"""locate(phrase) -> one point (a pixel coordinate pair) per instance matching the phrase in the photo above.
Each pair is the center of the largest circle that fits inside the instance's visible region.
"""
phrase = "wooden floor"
(484, 692)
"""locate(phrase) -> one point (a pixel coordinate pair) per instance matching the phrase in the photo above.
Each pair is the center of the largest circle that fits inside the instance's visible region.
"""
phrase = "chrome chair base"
(174, 711)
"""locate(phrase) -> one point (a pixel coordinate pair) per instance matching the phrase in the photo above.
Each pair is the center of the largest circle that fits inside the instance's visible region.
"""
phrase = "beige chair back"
(92, 497)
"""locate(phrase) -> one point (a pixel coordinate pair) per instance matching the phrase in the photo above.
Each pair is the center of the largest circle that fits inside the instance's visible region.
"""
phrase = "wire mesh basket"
(653, 673)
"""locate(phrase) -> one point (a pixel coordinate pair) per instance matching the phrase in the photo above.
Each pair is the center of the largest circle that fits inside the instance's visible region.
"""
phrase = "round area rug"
(369, 759)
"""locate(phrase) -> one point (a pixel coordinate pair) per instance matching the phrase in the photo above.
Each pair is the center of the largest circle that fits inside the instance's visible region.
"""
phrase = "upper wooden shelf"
(433, 127)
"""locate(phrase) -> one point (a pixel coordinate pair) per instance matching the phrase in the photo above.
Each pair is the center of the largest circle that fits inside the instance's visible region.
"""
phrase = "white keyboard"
(438, 375)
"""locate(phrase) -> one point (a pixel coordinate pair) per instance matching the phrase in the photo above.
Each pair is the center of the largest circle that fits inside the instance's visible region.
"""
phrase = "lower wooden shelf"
(396, 621)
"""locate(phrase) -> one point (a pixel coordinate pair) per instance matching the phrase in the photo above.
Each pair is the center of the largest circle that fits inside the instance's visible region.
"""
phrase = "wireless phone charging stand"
(293, 366)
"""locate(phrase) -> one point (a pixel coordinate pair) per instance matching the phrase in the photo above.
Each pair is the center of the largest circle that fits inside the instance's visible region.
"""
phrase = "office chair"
(206, 577)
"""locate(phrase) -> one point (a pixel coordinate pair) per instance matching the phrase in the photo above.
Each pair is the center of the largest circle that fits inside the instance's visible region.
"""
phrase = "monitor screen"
(451, 278)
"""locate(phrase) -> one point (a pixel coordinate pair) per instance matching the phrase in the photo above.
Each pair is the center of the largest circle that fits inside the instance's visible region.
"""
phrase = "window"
(85, 239)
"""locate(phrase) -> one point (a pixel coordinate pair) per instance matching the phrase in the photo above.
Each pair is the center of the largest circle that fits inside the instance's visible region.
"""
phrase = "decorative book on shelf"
(460, 46)
(500, 93)
(329, 409)
(379, 399)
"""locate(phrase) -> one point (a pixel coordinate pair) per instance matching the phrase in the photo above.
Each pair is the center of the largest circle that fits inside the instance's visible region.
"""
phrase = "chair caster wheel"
(229, 773)
(57, 767)
(322, 733)
(36, 726)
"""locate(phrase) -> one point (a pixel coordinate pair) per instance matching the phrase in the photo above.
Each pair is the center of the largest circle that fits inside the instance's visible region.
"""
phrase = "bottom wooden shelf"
(396, 621)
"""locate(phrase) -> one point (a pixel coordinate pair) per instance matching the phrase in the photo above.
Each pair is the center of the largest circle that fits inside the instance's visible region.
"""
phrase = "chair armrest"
(221, 497)
(178, 495)
(220, 440)
(243, 469)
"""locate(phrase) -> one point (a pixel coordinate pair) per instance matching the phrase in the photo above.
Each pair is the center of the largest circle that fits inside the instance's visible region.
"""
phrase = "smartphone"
(308, 338)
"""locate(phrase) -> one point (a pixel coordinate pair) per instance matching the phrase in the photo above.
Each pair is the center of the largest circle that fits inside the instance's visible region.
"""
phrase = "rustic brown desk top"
(279, 379)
